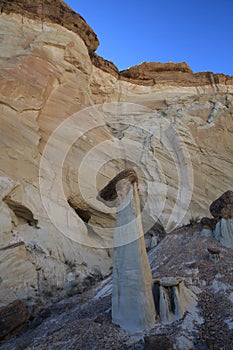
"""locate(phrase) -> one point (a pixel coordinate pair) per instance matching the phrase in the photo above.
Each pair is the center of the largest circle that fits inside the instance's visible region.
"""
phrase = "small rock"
(157, 342)
(208, 223)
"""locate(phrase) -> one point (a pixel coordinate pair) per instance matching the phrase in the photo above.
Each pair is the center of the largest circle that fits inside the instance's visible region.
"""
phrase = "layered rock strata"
(54, 11)
(48, 72)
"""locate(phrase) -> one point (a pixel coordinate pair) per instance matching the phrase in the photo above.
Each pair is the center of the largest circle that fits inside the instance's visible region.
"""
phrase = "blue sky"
(199, 32)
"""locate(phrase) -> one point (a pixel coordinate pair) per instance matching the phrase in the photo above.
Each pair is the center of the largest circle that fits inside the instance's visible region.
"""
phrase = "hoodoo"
(132, 299)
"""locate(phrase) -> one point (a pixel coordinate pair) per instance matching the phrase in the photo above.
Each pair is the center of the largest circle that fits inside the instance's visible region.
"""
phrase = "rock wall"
(54, 11)
(174, 127)
(29, 80)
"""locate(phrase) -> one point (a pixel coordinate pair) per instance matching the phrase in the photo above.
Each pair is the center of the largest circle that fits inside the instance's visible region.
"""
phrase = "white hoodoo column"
(132, 299)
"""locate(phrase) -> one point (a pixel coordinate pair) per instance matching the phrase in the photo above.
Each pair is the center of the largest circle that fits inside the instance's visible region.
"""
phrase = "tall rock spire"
(132, 299)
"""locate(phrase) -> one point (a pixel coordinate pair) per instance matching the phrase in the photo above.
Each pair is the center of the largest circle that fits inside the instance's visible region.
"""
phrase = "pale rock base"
(224, 232)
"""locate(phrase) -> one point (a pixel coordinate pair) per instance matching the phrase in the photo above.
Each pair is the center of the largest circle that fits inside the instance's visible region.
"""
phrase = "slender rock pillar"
(132, 298)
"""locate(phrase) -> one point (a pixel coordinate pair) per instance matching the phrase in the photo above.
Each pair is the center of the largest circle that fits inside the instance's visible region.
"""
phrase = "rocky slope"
(83, 321)
(174, 127)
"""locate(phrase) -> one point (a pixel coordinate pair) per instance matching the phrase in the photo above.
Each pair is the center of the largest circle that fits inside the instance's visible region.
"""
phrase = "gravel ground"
(83, 323)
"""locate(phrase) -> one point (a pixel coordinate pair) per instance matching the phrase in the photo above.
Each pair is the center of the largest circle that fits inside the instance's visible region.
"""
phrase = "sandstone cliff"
(53, 11)
(174, 127)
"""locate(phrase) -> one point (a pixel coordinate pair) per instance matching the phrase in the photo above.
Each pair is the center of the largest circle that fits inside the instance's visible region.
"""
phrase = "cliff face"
(172, 73)
(151, 73)
(174, 127)
(53, 11)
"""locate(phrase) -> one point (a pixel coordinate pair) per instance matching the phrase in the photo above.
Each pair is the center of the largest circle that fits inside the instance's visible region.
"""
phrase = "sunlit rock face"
(53, 11)
(28, 80)
(178, 136)
(132, 301)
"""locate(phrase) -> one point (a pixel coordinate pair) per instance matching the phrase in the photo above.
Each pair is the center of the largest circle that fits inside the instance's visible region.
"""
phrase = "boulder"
(208, 223)
(222, 210)
(223, 206)
(157, 342)
(12, 318)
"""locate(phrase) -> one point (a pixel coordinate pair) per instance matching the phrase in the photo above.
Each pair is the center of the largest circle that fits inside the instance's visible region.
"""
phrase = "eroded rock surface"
(105, 65)
(54, 11)
(88, 316)
(172, 299)
(132, 301)
(171, 73)
(47, 75)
